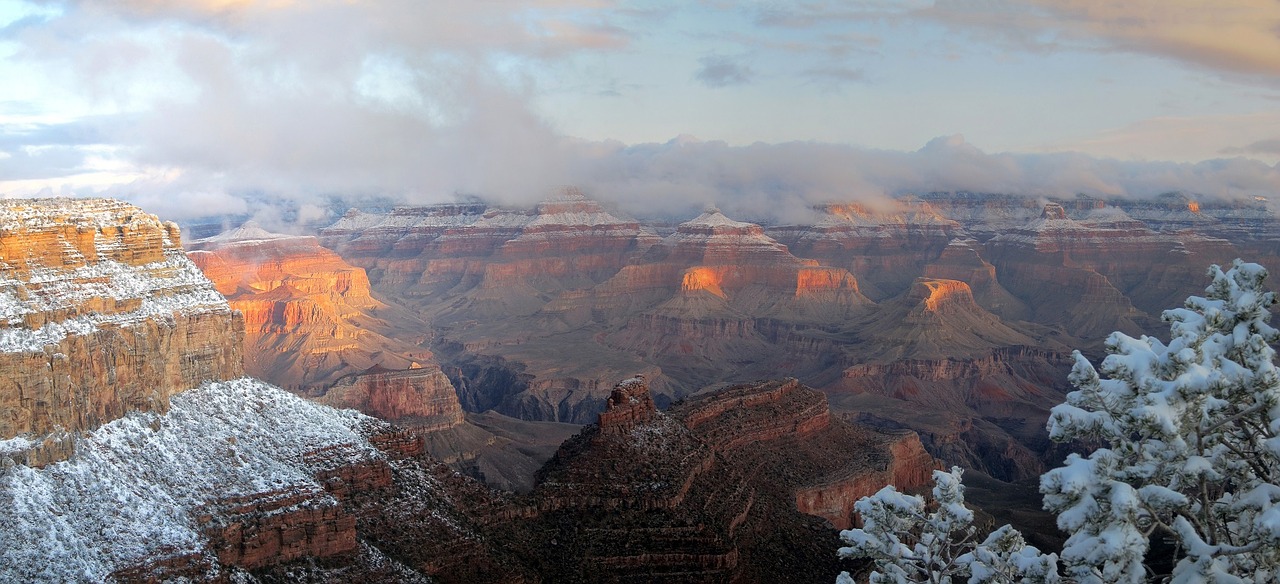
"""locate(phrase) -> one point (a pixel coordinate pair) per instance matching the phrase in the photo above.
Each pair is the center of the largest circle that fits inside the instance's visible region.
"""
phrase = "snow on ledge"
(134, 486)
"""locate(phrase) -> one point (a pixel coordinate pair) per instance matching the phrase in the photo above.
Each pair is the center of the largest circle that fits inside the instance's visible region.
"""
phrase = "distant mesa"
(1053, 211)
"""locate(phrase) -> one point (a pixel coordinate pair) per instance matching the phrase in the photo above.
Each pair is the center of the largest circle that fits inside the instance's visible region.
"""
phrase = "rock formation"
(234, 480)
(934, 319)
(719, 300)
(314, 327)
(715, 489)
(420, 397)
(101, 314)
(884, 249)
(309, 316)
(1086, 275)
(181, 469)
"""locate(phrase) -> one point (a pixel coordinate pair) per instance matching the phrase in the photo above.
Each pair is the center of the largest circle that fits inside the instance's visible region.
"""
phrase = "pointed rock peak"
(714, 219)
(1053, 211)
(629, 404)
(249, 231)
(936, 295)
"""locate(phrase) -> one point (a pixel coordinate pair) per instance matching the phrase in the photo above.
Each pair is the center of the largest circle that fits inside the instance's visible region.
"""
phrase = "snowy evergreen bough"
(1187, 445)
(910, 543)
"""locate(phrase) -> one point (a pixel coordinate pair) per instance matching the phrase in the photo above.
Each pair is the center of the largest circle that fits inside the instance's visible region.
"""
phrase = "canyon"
(219, 477)
(951, 314)
(897, 313)
(771, 376)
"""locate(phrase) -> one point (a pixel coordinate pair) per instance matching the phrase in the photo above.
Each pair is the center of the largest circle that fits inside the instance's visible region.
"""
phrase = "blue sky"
(190, 104)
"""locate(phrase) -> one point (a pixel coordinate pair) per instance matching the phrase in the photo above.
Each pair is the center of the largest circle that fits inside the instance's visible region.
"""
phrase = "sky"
(192, 107)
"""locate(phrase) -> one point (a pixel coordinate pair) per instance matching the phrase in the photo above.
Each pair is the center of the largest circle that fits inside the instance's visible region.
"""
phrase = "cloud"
(833, 77)
(303, 99)
(722, 71)
(1238, 37)
(781, 182)
(1229, 37)
(1270, 146)
(248, 106)
(1183, 138)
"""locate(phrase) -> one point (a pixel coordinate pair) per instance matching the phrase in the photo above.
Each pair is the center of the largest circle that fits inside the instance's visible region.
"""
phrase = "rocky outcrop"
(629, 405)
(237, 476)
(1085, 275)
(985, 411)
(420, 398)
(566, 242)
(909, 466)
(933, 319)
(962, 260)
(727, 497)
(101, 314)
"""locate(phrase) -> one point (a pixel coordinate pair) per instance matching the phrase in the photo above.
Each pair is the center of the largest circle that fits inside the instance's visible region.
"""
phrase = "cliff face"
(1103, 269)
(421, 398)
(566, 242)
(314, 327)
(100, 314)
(986, 411)
(956, 277)
(310, 318)
(883, 248)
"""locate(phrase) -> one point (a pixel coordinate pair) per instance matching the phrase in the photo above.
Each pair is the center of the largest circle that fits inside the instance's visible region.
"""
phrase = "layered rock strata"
(699, 493)
(101, 314)
(420, 398)
(883, 248)
(310, 317)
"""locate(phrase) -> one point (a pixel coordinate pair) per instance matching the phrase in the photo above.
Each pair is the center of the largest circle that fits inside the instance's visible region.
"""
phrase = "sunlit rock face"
(713, 266)
(722, 300)
(101, 314)
(962, 260)
(310, 318)
(420, 397)
(312, 325)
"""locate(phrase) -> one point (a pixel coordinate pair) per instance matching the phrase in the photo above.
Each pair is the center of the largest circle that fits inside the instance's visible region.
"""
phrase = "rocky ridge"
(101, 314)
(699, 493)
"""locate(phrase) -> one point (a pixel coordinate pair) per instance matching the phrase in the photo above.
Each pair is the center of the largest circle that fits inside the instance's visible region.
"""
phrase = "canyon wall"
(100, 314)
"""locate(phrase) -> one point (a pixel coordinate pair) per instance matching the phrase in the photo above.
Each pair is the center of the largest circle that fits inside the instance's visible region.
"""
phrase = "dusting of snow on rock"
(71, 268)
(248, 233)
(714, 219)
(135, 485)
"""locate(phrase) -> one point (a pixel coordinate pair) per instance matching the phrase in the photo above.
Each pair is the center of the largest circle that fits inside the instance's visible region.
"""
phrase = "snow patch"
(134, 486)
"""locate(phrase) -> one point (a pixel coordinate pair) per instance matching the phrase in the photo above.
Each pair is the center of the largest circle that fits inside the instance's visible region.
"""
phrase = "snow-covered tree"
(910, 543)
(1188, 447)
